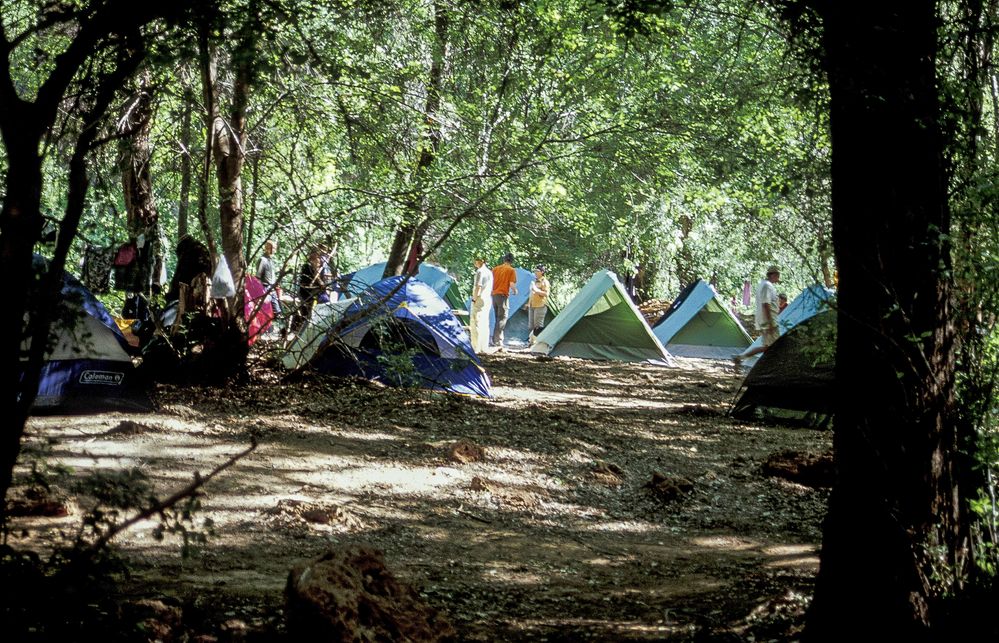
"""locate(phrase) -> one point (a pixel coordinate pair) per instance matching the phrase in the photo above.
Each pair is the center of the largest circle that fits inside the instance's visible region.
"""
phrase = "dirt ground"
(551, 535)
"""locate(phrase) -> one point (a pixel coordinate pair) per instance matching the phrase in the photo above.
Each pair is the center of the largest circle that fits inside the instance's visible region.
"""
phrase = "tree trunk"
(409, 236)
(184, 203)
(252, 219)
(137, 184)
(209, 70)
(229, 150)
(895, 508)
(20, 226)
(685, 271)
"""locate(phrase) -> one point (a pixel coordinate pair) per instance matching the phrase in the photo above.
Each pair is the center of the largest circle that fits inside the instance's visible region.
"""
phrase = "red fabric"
(413, 260)
(257, 307)
(126, 254)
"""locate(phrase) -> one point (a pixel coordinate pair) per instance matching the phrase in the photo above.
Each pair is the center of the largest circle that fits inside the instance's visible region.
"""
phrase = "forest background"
(696, 139)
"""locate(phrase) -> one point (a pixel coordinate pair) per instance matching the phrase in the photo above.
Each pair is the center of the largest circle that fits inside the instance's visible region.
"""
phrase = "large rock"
(349, 595)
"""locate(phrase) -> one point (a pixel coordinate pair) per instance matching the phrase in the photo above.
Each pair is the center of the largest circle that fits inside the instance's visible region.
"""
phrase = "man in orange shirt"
(504, 285)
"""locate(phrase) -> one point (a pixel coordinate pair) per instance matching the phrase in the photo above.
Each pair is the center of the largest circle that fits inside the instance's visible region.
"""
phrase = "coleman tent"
(401, 334)
(87, 368)
(601, 322)
(699, 324)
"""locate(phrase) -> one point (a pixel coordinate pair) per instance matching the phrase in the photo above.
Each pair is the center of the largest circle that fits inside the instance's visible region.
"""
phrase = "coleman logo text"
(101, 377)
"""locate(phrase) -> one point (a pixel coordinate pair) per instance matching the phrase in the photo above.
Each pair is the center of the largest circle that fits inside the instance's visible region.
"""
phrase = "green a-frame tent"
(601, 322)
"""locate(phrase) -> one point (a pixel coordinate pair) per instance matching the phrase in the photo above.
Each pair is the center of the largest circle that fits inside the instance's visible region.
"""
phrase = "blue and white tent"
(602, 322)
(434, 276)
(812, 301)
(699, 324)
(87, 368)
(406, 337)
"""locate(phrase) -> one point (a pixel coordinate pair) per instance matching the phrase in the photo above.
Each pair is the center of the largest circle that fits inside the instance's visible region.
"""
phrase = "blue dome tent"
(87, 368)
(409, 336)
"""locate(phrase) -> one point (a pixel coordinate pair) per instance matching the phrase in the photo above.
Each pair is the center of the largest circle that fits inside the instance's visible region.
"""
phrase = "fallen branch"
(160, 506)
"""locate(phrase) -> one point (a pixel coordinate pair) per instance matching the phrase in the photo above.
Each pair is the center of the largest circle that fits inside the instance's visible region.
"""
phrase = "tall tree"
(408, 240)
(895, 513)
(99, 46)
(142, 217)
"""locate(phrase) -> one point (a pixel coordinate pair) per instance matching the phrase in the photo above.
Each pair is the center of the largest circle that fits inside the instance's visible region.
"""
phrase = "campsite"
(551, 534)
(436, 320)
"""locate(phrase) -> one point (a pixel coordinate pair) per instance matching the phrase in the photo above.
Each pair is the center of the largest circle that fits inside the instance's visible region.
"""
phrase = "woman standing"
(537, 303)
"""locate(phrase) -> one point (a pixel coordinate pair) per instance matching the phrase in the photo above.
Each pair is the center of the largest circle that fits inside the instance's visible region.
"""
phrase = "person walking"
(482, 302)
(537, 303)
(766, 314)
(504, 285)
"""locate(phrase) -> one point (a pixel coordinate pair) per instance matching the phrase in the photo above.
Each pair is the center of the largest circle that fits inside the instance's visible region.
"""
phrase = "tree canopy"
(698, 140)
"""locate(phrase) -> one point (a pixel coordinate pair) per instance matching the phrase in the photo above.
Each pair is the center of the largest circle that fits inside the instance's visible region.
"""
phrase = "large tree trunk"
(208, 67)
(20, 226)
(895, 509)
(229, 151)
(228, 148)
(136, 177)
(137, 183)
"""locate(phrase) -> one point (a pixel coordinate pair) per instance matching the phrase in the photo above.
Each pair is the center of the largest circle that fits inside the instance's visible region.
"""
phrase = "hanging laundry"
(96, 271)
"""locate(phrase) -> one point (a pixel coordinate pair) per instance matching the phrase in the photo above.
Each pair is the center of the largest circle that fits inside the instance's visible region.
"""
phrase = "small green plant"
(396, 356)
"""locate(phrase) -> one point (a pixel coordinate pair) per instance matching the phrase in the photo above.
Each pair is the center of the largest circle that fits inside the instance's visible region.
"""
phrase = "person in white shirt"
(482, 301)
(766, 314)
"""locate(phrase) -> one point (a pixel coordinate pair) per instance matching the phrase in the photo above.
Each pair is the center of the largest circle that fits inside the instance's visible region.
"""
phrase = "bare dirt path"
(552, 535)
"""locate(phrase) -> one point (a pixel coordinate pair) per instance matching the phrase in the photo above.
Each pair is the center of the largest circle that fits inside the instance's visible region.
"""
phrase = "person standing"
(766, 314)
(537, 303)
(504, 285)
(482, 302)
(634, 282)
(310, 286)
(268, 276)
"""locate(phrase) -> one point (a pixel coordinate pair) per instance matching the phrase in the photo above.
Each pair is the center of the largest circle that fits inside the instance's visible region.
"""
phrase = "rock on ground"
(349, 595)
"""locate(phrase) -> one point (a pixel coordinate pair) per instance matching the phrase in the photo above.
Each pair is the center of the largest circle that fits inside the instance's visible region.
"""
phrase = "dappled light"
(553, 522)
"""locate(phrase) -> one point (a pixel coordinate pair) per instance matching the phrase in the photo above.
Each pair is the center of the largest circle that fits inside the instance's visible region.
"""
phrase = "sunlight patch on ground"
(797, 555)
(599, 399)
(622, 527)
(368, 435)
(523, 394)
(619, 628)
(728, 543)
(387, 479)
(514, 577)
(502, 454)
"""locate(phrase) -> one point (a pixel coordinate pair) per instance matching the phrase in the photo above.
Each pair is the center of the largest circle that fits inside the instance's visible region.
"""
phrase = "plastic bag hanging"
(222, 283)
